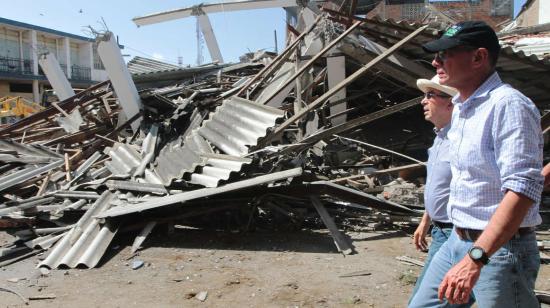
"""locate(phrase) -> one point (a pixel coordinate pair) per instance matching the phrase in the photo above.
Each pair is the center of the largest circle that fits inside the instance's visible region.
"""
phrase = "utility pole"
(275, 33)
(199, 43)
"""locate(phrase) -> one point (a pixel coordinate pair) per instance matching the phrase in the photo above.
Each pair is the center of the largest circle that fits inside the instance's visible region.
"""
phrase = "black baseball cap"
(468, 33)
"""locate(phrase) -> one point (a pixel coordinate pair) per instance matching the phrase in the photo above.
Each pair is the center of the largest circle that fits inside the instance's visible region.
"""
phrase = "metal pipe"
(135, 186)
(77, 194)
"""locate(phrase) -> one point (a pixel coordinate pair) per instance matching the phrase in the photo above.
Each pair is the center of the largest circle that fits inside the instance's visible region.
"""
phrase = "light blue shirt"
(495, 145)
(436, 191)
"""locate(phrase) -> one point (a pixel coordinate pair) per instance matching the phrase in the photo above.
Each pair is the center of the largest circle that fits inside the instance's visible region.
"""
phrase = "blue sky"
(236, 32)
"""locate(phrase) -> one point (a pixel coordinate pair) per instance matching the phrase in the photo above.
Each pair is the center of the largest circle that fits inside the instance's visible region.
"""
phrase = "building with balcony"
(494, 12)
(22, 43)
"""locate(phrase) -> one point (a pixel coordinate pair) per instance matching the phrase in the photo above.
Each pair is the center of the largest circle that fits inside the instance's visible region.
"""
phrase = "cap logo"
(452, 31)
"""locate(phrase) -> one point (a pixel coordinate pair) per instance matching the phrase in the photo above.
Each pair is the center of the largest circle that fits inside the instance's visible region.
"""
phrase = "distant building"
(534, 12)
(20, 45)
(494, 12)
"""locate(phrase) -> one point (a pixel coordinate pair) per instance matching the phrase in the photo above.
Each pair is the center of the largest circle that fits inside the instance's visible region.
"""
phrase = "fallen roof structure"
(259, 138)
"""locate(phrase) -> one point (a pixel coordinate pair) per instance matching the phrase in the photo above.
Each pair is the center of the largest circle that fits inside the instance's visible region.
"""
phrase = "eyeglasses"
(429, 95)
(443, 55)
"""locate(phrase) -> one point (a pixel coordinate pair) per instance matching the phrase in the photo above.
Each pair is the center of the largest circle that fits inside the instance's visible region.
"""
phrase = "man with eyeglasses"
(496, 158)
(438, 108)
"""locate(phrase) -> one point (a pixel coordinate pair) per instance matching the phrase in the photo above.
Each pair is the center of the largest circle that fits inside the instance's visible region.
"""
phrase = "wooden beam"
(312, 61)
(342, 243)
(397, 169)
(341, 85)
(361, 121)
(545, 122)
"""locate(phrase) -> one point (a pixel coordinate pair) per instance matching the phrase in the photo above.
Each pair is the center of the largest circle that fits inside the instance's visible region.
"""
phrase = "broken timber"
(342, 84)
(342, 243)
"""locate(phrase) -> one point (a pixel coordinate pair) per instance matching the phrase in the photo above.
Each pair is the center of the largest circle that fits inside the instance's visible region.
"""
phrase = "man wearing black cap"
(496, 157)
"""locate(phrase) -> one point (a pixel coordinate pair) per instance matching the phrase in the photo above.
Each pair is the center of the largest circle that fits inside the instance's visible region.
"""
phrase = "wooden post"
(344, 246)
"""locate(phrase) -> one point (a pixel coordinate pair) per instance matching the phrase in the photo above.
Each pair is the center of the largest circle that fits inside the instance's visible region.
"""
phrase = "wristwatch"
(478, 254)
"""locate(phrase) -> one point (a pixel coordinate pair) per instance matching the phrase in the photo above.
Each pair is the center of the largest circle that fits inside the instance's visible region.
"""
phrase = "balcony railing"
(81, 73)
(16, 66)
(64, 68)
(24, 67)
(98, 65)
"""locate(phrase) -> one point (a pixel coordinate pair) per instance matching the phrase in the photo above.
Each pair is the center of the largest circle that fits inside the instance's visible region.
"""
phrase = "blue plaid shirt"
(496, 145)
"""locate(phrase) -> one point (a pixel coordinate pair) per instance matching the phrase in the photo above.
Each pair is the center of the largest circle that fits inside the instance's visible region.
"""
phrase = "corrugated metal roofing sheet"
(237, 124)
(29, 172)
(515, 67)
(140, 65)
(124, 159)
(234, 126)
(86, 242)
(11, 151)
(199, 193)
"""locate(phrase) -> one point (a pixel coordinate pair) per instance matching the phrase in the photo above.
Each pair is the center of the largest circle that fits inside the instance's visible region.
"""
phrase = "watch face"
(476, 253)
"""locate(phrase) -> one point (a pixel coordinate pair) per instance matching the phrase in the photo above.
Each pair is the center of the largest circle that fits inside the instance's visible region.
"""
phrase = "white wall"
(544, 12)
(85, 55)
(99, 75)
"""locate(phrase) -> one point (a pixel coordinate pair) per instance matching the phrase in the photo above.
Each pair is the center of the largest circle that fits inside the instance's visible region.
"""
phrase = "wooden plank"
(342, 243)
(143, 235)
(352, 177)
(397, 169)
(410, 261)
(545, 122)
(361, 121)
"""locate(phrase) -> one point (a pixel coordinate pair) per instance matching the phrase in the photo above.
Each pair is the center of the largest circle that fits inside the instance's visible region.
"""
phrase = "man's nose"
(424, 101)
(436, 62)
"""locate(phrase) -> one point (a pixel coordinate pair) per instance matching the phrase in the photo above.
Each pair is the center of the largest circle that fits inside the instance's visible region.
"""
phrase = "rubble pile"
(261, 139)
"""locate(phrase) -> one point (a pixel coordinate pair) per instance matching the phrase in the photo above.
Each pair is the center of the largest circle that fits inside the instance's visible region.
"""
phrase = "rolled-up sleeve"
(518, 147)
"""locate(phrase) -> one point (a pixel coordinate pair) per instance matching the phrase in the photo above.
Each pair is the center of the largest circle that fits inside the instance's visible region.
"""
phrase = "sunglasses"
(429, 95)
(443, 55)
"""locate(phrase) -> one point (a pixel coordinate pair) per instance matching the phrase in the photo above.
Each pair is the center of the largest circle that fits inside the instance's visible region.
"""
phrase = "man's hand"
(546, 173)
(459, 281)
(420, 236)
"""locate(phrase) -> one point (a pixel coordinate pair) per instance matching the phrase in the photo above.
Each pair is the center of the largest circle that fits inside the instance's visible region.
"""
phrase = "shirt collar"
(482, 91)
(442, 132)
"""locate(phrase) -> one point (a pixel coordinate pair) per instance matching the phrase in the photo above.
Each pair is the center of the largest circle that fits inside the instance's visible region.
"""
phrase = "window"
(413, 11)
(98, 65)
(75, 53)
(9, 43)
(394, 2)
(21, 87)
(502, 8)
(47, 44)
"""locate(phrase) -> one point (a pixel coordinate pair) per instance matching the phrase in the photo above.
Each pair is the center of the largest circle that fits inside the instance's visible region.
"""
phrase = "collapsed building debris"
(259, 138)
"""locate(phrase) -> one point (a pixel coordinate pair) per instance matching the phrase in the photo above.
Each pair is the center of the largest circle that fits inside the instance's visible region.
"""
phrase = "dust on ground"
(256, 269)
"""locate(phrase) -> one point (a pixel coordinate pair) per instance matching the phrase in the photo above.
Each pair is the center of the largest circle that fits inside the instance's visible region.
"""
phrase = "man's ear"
(480, 56)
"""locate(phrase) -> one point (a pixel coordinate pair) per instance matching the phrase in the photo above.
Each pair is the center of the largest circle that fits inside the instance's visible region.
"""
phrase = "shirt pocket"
(444, 156)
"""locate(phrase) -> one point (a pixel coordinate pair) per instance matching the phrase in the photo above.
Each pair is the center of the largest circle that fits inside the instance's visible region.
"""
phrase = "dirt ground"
(257, 269)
